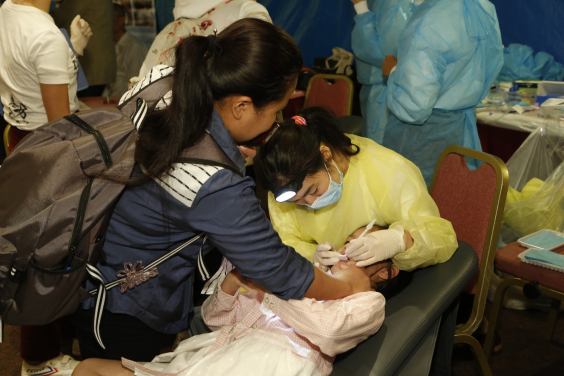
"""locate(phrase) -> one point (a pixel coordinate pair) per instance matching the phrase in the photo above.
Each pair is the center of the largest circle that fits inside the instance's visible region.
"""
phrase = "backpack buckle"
(16, 275)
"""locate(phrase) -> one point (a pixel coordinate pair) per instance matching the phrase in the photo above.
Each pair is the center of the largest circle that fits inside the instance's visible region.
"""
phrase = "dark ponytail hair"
(294, 148)
(253, 58)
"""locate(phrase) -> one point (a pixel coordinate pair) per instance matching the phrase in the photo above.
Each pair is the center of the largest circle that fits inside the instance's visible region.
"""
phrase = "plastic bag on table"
(540, 153)
(543, 209)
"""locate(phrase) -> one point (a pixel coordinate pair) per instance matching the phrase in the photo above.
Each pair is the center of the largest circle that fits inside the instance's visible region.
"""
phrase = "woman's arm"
(413, 88)
(227, 210)
(330, 287)
(365, 37)
(411, 206)
(55, 100)
(285, 222)
(50, 57)
(225, 306)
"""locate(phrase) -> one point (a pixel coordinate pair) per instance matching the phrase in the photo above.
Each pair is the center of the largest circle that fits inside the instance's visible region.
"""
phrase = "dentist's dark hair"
(294, 148)
(251, 57)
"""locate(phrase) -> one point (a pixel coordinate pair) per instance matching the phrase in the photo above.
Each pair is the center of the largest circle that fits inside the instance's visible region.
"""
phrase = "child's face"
(355, 235)
(377, 272)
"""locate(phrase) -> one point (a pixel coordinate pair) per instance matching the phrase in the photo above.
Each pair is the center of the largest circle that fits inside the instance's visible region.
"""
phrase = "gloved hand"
(389, 64)
(80, 33)
(325, 255)
(376, 246)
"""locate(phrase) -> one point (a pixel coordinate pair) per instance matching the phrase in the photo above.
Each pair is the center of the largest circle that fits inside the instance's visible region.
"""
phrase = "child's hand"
(234, 281)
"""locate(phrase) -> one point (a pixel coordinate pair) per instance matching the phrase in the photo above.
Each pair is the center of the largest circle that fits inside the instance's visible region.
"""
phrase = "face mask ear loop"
(337, 167)
(326, 169)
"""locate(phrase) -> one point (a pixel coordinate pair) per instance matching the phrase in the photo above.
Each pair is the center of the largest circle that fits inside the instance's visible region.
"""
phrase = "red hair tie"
(299, 120)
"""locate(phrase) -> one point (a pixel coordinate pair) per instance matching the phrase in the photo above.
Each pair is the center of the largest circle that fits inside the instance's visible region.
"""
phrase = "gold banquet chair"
(473, 201)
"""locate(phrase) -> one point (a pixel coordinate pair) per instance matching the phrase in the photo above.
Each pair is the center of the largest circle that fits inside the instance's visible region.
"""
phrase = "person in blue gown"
(377, 30)
(448, 57)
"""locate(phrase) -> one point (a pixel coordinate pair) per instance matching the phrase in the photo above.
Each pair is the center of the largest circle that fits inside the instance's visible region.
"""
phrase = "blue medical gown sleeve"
(413, 88)
(227, 210)
(366, 43)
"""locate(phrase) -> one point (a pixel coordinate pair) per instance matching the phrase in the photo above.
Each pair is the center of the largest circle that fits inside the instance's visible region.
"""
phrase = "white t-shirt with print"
(32, 51)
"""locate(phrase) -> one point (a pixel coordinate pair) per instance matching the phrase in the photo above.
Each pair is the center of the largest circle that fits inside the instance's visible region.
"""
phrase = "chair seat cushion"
(507, 261)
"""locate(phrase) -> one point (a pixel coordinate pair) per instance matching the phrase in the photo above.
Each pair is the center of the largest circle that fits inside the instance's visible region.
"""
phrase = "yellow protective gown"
(379, 184)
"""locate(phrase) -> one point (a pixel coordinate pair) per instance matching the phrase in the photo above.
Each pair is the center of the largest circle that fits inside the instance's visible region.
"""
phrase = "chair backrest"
(7, 139)
(336, 95)
(473, 201)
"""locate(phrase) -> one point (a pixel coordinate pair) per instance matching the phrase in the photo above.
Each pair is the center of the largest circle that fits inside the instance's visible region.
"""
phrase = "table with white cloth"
(501, 132)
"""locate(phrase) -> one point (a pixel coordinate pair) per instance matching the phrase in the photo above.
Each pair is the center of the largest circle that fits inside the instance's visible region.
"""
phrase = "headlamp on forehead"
(290, 189)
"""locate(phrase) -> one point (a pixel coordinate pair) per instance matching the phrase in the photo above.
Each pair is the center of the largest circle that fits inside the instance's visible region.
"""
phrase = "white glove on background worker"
(325, 256)
(80, 33)
(376, 246)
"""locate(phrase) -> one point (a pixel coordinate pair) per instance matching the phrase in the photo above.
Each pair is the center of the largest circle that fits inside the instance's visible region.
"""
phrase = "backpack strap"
(207, 152)
(151, 93)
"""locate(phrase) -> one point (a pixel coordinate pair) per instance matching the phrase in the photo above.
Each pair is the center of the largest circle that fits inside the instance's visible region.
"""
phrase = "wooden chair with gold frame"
(7, 139)
(336, 96)
(473, 201)
(533, 279)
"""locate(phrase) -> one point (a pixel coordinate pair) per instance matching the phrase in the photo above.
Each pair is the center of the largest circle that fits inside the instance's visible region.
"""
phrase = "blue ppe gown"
(448, 57)
(375, 35)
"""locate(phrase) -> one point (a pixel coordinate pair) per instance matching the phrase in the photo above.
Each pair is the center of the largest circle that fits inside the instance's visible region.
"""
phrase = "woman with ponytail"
(229, 87)
(324, 185)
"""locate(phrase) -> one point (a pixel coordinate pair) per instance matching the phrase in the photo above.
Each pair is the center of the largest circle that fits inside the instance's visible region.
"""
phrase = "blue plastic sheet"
(316, 25)
(163, 12)
(521, 63)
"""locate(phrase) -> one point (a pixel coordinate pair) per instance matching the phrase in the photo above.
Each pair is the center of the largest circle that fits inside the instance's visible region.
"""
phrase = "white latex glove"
(325, 255)
(376, 246)
(80, 34)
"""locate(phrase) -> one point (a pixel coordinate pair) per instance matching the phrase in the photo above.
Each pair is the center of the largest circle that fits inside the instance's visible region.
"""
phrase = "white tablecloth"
(526, 122)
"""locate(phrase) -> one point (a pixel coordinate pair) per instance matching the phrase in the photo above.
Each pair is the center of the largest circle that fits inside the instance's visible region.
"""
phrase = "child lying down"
(257, 333)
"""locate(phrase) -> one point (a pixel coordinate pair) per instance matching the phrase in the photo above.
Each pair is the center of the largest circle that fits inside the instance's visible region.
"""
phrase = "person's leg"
(82, 321)
(124, 336)
(41, 350)
(40, 343)
(101, 367)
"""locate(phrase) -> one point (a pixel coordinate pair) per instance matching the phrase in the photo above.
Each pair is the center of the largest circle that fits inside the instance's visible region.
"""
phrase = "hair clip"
(213, 48)
(299, 120)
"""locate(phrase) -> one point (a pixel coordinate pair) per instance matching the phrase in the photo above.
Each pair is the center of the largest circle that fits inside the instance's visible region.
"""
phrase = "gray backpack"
(55, 207)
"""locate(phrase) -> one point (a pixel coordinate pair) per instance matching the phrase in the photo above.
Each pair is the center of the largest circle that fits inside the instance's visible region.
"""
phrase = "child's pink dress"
(260, 334)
